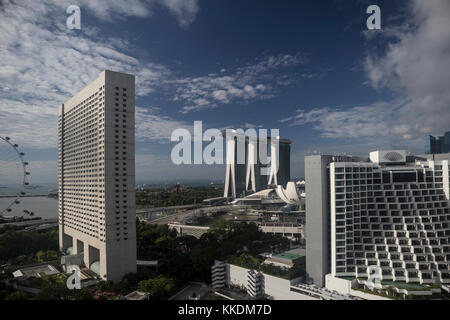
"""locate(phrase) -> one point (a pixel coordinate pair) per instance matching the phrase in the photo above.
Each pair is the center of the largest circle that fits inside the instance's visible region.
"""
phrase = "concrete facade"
(317, 229)
(278, 288)
(96, 175)
(392, 213)
(317, 213)
(394, 217)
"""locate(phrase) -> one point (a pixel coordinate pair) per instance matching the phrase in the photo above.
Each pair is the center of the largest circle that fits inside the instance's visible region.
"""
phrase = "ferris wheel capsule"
(13, 174)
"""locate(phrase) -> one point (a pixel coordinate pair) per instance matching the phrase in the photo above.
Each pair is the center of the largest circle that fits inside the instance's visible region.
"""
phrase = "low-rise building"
(36, 271)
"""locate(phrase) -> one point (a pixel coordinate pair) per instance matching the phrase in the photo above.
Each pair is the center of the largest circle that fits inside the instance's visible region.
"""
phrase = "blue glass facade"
(437, 145)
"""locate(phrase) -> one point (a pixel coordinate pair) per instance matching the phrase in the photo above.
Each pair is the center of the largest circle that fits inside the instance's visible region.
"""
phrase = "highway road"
(171, 208)
(181, 217)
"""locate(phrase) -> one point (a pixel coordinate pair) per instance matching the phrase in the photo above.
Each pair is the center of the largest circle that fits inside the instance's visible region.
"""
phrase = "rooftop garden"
(250, 262)
(389, 289)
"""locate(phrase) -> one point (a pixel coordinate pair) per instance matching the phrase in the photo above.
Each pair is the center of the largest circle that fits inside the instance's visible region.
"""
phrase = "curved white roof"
(289, 195)
(260, 194)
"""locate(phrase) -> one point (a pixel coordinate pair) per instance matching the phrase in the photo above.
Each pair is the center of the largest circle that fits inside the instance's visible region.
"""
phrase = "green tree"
(51, 255)
(105, 286)
(83, 294)
(159, 287)
(54, 291)
(40, 256)
(17, 295)
(19, 243)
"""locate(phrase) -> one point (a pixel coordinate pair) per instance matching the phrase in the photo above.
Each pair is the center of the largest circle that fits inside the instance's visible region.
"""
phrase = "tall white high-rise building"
(96, 175)
(390, 211)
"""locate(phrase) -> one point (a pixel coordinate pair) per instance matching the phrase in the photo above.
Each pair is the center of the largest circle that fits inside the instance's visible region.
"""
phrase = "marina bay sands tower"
(254, 179)
(282, 161)
(236, 156)
(244, 169)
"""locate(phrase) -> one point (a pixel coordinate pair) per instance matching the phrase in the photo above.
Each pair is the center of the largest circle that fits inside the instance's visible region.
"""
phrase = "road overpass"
(146, 214)
(182, 217)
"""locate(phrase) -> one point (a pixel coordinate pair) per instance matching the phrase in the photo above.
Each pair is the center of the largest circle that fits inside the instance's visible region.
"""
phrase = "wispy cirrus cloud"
(415, 68)
(42, 64)
(354, 122)
(184, 11)
(151, 125)
(254, 81)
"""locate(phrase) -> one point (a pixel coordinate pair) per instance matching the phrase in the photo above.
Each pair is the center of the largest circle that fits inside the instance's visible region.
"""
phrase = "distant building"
(435, 145)
(244, 167)
(36, 271)
(284, 260)
(225, 275)
(390, 211)
(255, 282)
(254, 180)
(235, 166)
(283, 175)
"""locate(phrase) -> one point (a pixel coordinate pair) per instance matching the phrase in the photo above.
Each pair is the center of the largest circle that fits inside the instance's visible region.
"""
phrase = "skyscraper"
(236, 155)
(283, 175)
(389, 211)
(254, 181)
(244, 166)
(436, 145)
(318, 221)
(96, 175)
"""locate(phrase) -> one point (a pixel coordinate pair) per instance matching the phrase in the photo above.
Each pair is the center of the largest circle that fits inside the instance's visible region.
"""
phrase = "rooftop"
(287, 256)
(137, 295)
(36, 271)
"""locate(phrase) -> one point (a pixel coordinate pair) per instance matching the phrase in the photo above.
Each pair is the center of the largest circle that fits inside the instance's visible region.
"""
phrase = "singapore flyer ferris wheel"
(13, 175)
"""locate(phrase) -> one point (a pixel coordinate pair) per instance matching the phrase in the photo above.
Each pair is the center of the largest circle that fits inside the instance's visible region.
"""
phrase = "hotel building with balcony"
(390, 210)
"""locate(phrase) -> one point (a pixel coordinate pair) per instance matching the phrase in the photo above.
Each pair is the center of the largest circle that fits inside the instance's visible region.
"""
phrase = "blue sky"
(308, 68)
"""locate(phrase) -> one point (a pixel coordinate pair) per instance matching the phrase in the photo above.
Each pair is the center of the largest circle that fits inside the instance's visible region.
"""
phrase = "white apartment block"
(96, 175)
(391, 213)
(256, 283)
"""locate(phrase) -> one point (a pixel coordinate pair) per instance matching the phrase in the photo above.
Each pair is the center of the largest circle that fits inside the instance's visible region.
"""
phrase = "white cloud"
(184, 10)
(253, 81)
(356, 122)
(416, 68)
(150, 126)
(43, 64)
